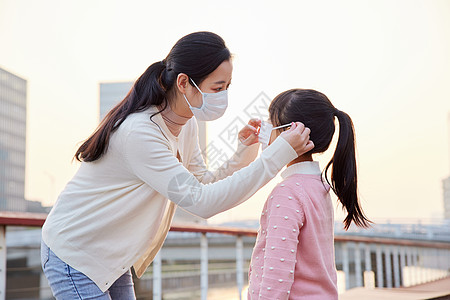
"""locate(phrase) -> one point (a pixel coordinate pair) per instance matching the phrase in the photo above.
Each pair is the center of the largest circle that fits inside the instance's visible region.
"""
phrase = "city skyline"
(384, 63)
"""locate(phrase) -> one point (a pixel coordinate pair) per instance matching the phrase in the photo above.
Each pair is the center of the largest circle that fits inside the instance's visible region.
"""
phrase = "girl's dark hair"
(196, 55)
(315, 110)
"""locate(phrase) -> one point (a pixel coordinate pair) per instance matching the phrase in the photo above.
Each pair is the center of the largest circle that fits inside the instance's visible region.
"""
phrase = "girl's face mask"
(265, 131)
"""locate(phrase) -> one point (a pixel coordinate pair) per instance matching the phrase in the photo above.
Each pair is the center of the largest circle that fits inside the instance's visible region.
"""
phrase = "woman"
(115, 213)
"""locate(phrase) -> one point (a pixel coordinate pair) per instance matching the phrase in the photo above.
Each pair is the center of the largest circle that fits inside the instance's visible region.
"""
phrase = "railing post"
(437, 265)
(240, 264)
(448, 260)
(346, 265)
(204, 266)
(427, 264)
(2, 262)
(402, 266)
(358, 265)
(379, 267)
(368, 259)
(414, 275)
(396, 267)
(369, 277)
(410, 263)
(387, 260)
(157, 277)
(421, 256)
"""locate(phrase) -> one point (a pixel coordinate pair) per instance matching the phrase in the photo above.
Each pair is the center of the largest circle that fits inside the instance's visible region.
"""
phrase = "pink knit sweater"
(293, 256)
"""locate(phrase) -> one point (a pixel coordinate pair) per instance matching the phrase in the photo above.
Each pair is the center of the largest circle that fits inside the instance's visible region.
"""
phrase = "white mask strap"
(286, 125)
(187, 101)
(196, 85)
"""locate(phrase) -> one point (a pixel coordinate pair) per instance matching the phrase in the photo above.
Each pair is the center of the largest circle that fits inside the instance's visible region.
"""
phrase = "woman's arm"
(244, 155)
(285, 219)
(148, 155)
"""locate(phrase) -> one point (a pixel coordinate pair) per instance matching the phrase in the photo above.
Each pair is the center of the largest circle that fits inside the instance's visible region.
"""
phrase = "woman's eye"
(218, 89)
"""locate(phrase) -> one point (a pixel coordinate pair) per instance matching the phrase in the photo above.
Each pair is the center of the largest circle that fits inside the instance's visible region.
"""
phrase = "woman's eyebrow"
(221, 82)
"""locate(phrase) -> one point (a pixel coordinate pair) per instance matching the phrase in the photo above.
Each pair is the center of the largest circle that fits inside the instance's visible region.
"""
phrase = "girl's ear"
(182, 82)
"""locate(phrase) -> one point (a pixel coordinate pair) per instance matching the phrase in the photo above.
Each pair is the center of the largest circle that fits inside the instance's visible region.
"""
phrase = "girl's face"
(218, 80)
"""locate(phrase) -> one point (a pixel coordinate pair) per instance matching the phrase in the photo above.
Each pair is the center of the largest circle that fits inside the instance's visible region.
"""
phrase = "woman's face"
(218, 80)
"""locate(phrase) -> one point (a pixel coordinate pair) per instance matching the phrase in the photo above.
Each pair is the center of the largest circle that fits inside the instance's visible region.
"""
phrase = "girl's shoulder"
(307, 183)
(300, 187)
(287, 191)
(287, 200)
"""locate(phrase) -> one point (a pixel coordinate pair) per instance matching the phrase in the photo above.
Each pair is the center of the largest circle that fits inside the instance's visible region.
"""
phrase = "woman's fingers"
(298, 137)
(293, 126)
(252, 128)
(249, 134)
(250, 140)
(255, 122)
(248, 130)
(306, 131)
(309, 146)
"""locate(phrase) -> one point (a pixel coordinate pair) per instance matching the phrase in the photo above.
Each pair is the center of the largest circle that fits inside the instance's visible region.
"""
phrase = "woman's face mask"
(213, 107)
(265, 132)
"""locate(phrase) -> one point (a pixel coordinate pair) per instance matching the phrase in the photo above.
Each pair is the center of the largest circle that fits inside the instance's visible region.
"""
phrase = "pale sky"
(385, 63)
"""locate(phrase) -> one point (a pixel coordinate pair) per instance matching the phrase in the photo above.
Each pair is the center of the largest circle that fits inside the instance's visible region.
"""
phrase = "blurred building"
(112, 93)
(446, 182)
(13, 115)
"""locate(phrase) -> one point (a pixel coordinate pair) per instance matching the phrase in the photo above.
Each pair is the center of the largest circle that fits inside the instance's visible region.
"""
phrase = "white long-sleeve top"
(115, 212)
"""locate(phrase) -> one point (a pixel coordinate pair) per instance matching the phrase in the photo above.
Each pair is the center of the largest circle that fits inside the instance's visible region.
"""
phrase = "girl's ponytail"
(344, 173)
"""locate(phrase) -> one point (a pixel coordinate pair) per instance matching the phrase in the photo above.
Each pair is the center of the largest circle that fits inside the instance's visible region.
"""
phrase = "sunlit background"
(386, 63)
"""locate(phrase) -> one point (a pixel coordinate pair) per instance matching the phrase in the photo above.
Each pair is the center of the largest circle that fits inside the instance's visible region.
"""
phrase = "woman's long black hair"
(316, 111)
(197, 55)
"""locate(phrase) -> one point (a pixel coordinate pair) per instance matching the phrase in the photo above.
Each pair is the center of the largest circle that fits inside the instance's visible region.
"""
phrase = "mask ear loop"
(196, 85)
(285, 125)
(267, 134)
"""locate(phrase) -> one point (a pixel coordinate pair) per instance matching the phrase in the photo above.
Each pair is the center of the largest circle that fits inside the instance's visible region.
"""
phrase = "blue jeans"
(67, 283)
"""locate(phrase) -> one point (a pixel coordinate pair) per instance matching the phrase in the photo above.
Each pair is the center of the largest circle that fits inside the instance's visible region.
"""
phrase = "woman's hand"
(249, 134)
(298, 137)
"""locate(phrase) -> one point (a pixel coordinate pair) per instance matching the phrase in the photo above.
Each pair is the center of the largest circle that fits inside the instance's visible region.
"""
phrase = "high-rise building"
(446, 182)
(114, 92)
(13, 114)
(111, 94)
(446, 185)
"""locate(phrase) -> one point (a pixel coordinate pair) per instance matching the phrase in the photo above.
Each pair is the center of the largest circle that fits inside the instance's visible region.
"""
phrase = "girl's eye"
(218, 89)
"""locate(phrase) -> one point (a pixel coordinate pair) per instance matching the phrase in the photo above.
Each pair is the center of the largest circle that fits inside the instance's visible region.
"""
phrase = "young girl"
(294, 253)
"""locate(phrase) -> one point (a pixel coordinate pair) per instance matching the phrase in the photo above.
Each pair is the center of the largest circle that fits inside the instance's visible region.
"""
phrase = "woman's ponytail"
(197, 55)
(344, 173)
(149, 89)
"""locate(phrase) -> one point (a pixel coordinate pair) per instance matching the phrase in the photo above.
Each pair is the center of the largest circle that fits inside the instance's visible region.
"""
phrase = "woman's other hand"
(249, 134)
(298, 137)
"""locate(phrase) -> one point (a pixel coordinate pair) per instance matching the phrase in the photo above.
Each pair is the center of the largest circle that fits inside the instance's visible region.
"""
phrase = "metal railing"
(361, 261)
(387, 262)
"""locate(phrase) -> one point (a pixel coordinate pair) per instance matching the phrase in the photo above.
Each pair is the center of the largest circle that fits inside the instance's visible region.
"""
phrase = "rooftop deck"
(391, 261)
(439, 289)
